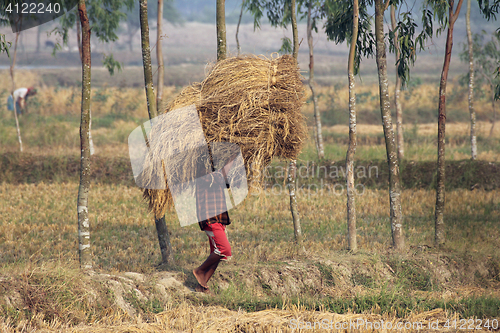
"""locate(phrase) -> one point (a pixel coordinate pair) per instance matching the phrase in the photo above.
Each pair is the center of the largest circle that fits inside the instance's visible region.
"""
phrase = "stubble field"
(269, 282)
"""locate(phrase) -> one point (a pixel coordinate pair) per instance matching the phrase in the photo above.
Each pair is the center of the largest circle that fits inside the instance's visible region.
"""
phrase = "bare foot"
(199, 279)
(204, 290)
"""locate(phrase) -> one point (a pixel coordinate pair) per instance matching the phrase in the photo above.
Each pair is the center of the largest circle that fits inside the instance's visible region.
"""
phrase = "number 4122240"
(471, 324)
(33, 8)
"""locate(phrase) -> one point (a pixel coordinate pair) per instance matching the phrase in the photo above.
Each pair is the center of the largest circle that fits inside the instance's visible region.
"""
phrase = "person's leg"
(219, 250)
(207, 269)
(18, 108)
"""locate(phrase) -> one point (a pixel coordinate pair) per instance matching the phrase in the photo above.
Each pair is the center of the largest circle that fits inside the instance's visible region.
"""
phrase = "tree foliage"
(338, 27)
(170, 13)
(4, 45)
(111, 64)
(487, 57)
(277, 11)
(279, 14)
(104, 19)
(412, 38)
(408, 43)
(286, 46)
(316, 11)
(489, 9)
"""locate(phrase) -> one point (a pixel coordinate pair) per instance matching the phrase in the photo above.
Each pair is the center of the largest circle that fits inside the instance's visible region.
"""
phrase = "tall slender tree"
(84, 249)
(159, 56)
(280, 13)
(351, 151)
(490, 9)
(338, 26)
(390, 144)
(453, 12)
(397, 93)
(473, 140)
(486, 57)
(446, 13)
(133, 23)
(78, 41)
(101, 17)
(12, 67)
(238, 48)
(221, 29)
(161, 226)
(38, 33)
(292, 168)
(311, 25)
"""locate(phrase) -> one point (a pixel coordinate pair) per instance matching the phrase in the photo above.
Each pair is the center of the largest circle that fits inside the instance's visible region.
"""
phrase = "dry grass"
(66, 101)
(36, 224)
(428, 130)
(419, 103)
(54, 118)
(39, 226)
(188, 318)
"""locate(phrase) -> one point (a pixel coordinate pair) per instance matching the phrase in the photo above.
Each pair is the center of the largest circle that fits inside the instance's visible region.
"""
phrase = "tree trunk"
(494, 114)
(295, 32)
(12, 66)
(351, 151)
(440, 191)
(146, 59)
(221, 30)
(21, 42)
(385, 108)
(38, 33)
(238, 27)
(159, 56)
(317, 116)
(473, 141)
(292, 169)
(292, 174)
(397, 93)
(91, 142)
(78, 42)
(161, 226)
(131, 32)
(492, 85)
(83, 190)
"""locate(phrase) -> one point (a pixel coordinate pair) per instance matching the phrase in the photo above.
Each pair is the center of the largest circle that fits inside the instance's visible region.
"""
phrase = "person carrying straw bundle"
(253, 102)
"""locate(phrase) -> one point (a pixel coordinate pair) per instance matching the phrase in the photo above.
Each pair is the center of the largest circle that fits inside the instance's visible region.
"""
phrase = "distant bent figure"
(20, 97)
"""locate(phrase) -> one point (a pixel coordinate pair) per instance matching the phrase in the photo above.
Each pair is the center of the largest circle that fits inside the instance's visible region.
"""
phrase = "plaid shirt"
(211, 201)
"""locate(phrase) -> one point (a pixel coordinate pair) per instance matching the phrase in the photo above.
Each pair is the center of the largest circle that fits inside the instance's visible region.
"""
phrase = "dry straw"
(252, 101)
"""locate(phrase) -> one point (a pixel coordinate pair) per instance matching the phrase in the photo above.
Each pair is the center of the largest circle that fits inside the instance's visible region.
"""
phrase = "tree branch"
(457, 11)
(386, 4)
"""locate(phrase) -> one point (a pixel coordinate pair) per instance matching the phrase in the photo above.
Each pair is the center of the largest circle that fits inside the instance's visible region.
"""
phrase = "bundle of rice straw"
(253, 102)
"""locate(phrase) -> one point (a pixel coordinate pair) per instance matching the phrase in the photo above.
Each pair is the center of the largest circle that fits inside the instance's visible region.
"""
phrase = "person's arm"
(21, 102)
(19, 96)
(225, 170)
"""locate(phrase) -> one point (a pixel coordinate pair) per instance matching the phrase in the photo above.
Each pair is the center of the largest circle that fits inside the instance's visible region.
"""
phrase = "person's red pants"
(217, 238)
